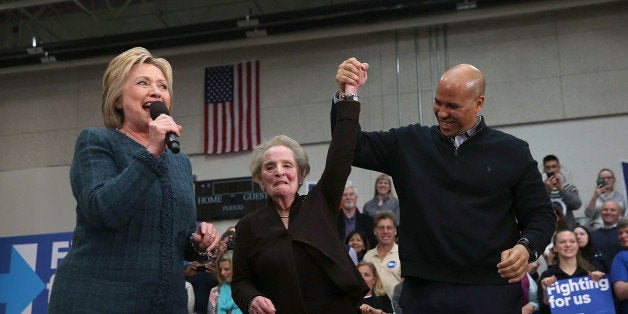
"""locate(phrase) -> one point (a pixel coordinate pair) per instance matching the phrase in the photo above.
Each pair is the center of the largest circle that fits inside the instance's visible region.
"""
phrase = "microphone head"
(157, 108)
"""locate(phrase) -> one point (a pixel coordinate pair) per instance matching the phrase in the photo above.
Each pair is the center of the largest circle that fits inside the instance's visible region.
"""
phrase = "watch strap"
(534, 255)
(349, 96)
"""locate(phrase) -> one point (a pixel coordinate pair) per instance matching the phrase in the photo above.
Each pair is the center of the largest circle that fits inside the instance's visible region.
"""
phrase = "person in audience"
(351, 219)
(396, 296)
(533, 269)
(604, 240)
(384, 198)
(569, 264)
(604, 191)
(202, 273)
(288, 257)
(619, 268)
(583, 236)
(213, 301)
(548, 255)
(190, 290)
(560, 190)
(225, 303)
(227, 241)
(135, 206)
(359, 243)
(529, 300)
(376, 300)
(385, 256)
(561, 220)
(464, 185)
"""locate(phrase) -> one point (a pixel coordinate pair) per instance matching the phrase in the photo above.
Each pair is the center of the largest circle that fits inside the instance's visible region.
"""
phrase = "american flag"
(232, 108)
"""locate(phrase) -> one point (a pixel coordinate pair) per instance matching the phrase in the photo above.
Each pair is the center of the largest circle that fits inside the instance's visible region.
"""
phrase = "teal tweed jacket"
(134, 217)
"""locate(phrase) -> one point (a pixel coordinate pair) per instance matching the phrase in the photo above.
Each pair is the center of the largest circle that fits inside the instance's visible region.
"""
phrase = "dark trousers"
(421, 296)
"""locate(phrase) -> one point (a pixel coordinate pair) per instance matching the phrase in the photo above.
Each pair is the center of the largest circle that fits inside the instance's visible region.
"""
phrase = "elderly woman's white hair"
(300, 156)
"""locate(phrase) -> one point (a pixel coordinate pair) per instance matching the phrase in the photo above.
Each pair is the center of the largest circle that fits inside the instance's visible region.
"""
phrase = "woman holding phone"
(604, 191)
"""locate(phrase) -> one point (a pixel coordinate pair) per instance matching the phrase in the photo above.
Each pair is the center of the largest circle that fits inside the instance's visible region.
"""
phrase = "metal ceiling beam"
(27, 3)
(284, 27)
(42, 25)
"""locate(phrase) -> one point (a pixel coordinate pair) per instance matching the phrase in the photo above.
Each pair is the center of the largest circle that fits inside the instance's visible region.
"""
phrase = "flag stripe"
(256, 134)
(249, 103)
(232, 108)
(241, 105)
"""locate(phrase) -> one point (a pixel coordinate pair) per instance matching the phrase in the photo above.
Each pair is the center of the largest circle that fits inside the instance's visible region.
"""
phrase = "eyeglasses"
(387, 228)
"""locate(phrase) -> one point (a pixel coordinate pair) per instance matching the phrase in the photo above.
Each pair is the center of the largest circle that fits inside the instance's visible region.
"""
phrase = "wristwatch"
(533, 253)
(349, 96)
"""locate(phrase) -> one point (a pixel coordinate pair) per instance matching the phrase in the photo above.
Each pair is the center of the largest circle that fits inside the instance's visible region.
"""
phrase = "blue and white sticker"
(392, 264)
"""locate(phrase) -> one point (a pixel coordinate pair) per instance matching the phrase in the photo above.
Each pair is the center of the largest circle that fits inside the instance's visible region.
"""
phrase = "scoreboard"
(227, 198)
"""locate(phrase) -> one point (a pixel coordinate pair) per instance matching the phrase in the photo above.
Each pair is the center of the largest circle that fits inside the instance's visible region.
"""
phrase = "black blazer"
(363, 223)
(263, 260)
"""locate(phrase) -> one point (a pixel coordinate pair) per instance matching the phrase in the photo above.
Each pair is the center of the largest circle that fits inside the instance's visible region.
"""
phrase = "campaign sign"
(27, 268)
(581, 295)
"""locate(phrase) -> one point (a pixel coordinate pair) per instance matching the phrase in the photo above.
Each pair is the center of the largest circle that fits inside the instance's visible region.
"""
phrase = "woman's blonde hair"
(391, 192)
(224, 257)
(115, 76)
(378, 286)
(300, 156)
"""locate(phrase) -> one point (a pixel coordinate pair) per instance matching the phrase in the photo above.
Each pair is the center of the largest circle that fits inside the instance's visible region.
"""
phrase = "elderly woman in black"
(288, 258)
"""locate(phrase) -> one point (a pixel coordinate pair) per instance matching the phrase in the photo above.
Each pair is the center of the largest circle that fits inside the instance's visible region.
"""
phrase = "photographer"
(561, 192)
(201, 273)
(227, 241)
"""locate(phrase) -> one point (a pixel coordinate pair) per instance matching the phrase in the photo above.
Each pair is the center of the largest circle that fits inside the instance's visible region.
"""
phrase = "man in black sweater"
(351, 219)
(474, 210)
(604, 240)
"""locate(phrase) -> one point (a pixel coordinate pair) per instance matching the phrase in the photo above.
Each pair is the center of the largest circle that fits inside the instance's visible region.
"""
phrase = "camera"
(599, 182)
(231, 242)
(201, 268)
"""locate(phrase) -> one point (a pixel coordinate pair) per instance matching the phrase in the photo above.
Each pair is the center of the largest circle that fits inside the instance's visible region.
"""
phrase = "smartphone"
(550, 174)
(599, 182)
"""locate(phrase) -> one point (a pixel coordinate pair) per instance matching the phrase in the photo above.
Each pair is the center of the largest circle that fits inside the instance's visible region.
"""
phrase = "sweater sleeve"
(571, 198)
(107, 188)
(373, 149)
(340, 152)
(532, 205)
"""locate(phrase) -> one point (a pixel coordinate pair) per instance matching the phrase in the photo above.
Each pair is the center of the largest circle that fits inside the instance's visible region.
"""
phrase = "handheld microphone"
(158, 108)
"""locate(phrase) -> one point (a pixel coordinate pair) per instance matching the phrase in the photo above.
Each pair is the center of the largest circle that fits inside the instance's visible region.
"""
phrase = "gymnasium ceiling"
(43, 31)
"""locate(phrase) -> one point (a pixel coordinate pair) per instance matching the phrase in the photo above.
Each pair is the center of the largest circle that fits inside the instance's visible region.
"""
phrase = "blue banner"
(27, 268)
(581, 295)
(624, 168)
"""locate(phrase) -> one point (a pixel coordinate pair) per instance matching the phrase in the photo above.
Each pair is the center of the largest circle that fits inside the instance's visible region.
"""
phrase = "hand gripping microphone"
(158, 108)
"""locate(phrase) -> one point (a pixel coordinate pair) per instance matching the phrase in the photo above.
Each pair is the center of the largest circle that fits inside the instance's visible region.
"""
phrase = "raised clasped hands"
(351, 72)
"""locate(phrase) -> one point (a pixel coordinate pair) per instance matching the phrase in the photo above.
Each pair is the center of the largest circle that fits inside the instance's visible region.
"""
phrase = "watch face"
(353, 97)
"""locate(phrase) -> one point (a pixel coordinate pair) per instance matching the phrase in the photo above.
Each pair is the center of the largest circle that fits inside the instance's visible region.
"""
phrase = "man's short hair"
(550, 158)
(385, 214)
